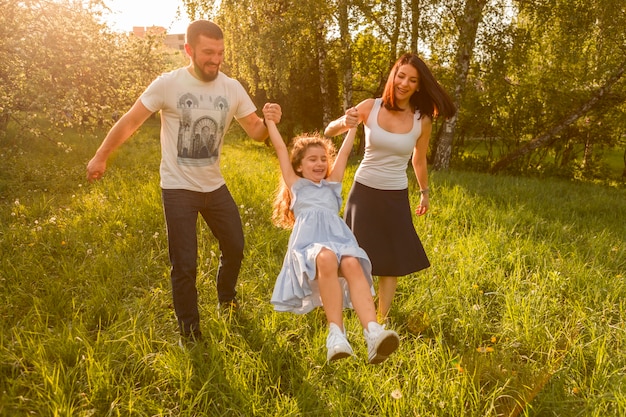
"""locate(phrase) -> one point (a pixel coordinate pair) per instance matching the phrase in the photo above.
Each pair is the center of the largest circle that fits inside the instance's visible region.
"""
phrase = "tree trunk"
(588, 154)
(321, 58)
(472, 16)
(415, 25)
(546, 137)
(346, 43)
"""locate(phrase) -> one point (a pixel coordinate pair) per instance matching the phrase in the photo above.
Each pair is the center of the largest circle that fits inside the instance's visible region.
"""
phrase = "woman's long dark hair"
(430, 99)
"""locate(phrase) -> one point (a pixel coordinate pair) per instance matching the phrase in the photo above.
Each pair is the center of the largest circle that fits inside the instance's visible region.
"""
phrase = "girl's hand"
(423, 206)
(272, 112)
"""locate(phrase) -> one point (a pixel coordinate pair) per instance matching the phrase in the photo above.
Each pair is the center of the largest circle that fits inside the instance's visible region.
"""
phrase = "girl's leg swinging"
(330, 289)
(380, 342)
(332, 300)
(360, 292)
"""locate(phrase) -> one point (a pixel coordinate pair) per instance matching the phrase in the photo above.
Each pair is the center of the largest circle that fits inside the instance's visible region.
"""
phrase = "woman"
(397, 129)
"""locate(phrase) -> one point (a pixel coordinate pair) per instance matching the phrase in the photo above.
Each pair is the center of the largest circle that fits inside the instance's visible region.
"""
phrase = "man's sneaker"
(337, 344)
(228, 308)
(380, 342)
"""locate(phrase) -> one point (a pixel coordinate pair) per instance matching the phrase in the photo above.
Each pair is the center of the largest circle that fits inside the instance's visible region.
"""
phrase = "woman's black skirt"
(382, 222)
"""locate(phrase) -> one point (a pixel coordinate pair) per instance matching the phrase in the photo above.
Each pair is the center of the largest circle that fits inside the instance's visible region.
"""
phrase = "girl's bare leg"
(330, 289)
(360, 292)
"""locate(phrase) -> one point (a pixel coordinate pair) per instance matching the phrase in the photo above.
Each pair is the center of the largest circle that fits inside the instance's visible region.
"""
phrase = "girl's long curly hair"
(282, 215)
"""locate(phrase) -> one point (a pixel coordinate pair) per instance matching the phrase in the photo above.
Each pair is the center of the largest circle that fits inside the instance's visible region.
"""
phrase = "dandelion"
(474, 286)
(575, 390)
(493, 339)
(484, 349)
(396, 394)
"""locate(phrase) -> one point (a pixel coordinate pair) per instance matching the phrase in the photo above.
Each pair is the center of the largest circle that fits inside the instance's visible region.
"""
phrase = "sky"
(128, 13)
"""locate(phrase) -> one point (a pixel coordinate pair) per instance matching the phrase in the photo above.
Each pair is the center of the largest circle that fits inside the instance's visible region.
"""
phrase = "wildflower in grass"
(484, 349)
(575, 390)
(493, 339)
(457, 365)
(396, 394)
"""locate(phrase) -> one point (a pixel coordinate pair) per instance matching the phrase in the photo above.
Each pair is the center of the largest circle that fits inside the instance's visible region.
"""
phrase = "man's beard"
(206, 77)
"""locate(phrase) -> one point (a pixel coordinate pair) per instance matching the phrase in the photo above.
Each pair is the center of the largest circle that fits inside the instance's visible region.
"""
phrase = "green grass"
(521, 313)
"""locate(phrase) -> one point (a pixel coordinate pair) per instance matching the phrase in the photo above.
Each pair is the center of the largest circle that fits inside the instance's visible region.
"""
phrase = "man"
(197, 104)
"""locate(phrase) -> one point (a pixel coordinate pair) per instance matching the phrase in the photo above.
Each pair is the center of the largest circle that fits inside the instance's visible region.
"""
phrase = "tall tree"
(468, 26)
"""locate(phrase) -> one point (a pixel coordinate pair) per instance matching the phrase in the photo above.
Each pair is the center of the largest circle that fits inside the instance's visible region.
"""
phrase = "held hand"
(423, 206)
(351, 118)
(272, 112)
(95, 169)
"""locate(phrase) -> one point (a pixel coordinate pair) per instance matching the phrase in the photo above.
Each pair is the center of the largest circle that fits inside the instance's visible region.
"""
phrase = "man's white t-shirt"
(195, 115)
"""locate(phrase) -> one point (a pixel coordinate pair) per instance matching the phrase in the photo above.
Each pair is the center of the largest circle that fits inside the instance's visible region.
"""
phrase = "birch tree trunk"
(468, 27)
(321, 60)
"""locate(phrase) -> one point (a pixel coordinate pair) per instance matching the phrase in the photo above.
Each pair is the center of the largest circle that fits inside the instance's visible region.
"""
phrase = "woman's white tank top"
(387, 154)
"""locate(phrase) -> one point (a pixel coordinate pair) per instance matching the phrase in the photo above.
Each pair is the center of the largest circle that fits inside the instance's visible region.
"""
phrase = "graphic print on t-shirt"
(201, 128)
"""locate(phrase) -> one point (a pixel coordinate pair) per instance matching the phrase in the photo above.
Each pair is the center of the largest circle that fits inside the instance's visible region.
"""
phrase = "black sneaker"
(228, 308)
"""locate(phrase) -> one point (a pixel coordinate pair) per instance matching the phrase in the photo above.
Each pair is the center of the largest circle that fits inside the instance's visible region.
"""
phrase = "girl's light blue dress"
(318, 225)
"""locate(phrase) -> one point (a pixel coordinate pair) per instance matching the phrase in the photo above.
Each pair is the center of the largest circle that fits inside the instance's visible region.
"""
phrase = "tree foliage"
(59, 63)
(517, 69)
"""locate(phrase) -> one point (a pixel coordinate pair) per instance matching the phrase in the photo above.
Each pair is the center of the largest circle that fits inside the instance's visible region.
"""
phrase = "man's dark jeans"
(181, 208)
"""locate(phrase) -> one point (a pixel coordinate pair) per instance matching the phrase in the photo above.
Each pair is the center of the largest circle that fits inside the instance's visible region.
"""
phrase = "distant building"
(173, 41)
(176, 41)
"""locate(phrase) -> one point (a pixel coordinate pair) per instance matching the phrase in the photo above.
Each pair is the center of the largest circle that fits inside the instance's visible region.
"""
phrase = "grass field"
(522, 313)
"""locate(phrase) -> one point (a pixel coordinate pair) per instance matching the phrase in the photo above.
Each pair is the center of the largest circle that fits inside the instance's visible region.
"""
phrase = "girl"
(321, 247)
(397, 129)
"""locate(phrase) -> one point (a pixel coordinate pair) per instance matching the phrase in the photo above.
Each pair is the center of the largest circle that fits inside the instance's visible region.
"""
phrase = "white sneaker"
(337, 344)
(380, 342)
